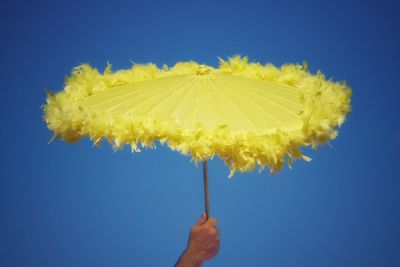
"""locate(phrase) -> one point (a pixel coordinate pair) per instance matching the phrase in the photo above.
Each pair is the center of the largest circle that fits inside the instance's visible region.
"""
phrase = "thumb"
(202, 219)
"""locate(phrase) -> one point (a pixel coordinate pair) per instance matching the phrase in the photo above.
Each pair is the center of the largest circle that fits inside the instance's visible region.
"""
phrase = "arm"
(203, 243)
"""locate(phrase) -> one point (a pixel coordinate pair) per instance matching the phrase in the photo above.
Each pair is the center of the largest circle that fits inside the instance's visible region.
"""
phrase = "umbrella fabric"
(246, 113)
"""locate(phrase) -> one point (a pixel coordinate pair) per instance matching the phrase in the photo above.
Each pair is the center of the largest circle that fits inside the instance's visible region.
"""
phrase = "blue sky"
(76, 205)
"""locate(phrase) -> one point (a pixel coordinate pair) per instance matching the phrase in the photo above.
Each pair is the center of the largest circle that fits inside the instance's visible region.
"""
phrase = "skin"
(203, 243)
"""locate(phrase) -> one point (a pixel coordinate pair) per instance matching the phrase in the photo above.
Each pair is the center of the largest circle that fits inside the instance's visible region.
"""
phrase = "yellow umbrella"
(246, 113)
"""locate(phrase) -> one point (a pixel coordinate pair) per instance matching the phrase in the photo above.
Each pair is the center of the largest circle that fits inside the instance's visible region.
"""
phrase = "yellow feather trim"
(326, 104)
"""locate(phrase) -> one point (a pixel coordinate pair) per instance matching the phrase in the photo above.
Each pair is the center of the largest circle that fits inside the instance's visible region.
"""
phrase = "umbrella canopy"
(246, 113)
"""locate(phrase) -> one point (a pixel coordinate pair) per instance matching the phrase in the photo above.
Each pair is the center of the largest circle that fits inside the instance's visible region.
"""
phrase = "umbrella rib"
(273, 103)
(259, 107)
(279, 96)
(273, 91)
(152, 95)
(180, 87)
(125, 98)
(195, 101)
(240, 109)
(215, 107)
(131, 91)
(181, 100)
(282, 89)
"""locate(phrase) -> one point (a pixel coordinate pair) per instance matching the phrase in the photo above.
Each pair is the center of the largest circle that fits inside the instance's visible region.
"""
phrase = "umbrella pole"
(205, 174)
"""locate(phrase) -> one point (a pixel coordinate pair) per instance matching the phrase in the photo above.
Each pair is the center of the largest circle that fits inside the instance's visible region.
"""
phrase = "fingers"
(202, 219)
(212, 222)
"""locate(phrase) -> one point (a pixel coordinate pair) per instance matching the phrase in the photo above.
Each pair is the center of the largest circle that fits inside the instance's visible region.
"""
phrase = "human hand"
(204, 239)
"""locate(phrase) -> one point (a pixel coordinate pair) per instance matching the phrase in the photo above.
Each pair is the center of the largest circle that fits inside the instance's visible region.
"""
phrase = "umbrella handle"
(207, 204)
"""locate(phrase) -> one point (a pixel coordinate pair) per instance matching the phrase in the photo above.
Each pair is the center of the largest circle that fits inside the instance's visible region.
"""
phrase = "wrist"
(192, 257)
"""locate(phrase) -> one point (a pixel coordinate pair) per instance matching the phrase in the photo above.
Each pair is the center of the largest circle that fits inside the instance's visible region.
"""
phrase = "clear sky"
(77, 205)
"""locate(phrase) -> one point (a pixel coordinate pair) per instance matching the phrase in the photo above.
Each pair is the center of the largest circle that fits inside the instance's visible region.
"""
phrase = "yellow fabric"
(246, 113)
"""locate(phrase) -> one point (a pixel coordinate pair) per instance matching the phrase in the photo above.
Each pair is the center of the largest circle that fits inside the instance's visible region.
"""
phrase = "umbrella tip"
(203, 70)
